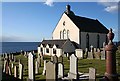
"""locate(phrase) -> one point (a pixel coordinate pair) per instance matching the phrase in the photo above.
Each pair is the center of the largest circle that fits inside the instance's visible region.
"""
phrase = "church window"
(64, 23)
(47, 50)
(64, 34)
(60, 34)
(98, 37)
(54, 51)
(41, 49)
(87, 40)
(68, 34)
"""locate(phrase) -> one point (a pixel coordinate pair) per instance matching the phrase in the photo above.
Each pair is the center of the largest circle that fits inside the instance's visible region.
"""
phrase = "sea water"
(17, 46)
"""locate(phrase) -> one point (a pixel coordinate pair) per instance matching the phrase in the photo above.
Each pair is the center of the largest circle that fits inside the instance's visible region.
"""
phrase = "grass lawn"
(83, 66)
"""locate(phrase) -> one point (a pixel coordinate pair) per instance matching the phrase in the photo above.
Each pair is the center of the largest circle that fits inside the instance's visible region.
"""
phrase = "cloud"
(49, 2)
(111, 7)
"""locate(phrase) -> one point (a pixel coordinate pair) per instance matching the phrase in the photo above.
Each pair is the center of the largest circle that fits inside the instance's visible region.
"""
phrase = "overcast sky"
(33, 21)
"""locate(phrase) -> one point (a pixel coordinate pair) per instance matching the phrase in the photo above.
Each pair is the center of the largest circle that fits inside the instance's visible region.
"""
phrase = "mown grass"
(83, 66)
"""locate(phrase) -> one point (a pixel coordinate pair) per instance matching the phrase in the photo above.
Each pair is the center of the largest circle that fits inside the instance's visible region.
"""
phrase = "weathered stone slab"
(92, 74)
(21, 71)
(44, 69)
(90, 55)
(51, 71)
(31, 67)
(79, 53)
(73, 72)
(60, 70)
(15, 71)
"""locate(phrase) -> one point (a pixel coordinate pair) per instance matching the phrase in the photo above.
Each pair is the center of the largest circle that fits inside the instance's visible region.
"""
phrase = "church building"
(81, 32)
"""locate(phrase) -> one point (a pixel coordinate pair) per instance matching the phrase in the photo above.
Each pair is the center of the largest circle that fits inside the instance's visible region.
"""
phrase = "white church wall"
(39, 51)
(69, 25)
(59, 52)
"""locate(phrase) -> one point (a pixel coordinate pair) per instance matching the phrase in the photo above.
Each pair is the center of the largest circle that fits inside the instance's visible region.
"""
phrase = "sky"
(34, 21)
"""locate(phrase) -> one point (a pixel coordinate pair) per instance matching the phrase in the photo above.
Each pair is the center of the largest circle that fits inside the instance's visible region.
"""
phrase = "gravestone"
(95, 49)
(91, 48)
(44, 69)
(31, 67)
(21, 71)
(73, 72)
(103, 55)
(92, 74)
(15, 71)
(55, 59)
(51, 71)
(97, 55)
(60, 70)
(4, 67)
(90, 55)
(36, 67)
(39, 61)
(79, 53)
(86, 53)
(12, 65)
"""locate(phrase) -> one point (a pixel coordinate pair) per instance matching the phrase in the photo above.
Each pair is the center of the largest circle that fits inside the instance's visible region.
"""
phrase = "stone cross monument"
(110, 48)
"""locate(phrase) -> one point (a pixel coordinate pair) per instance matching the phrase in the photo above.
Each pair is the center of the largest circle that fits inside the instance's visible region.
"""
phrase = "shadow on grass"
(6, 77)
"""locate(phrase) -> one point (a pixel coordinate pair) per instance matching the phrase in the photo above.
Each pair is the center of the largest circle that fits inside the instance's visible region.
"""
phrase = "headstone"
(90, 55)
(103, 55)
(92, 74)
(97, 55)
(91, 48)
(39, 61)
(51, 71)
(55, 59)
(36, 68)
(73, 72)
(95, 49)
(44, 69)
(60, 70)
(79, 53)
(9, 70)
(31, 69)
(12, 65)
(4, 67)
(15, 71)
(21, 71)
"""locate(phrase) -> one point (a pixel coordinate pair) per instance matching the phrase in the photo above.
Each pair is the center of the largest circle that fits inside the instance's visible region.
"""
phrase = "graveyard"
(83, 66)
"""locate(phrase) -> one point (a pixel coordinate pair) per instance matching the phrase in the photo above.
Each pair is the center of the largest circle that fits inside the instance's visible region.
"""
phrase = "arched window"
(64, 34)
(87, 40)
(98, 38)
(68, 33)
(60, 34)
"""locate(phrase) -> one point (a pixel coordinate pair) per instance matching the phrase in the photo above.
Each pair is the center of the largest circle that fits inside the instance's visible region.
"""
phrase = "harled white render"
(73, 34)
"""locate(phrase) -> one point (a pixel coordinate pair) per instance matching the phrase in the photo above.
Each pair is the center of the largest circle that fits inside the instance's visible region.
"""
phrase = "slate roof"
(88, 25)
(59, 43)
